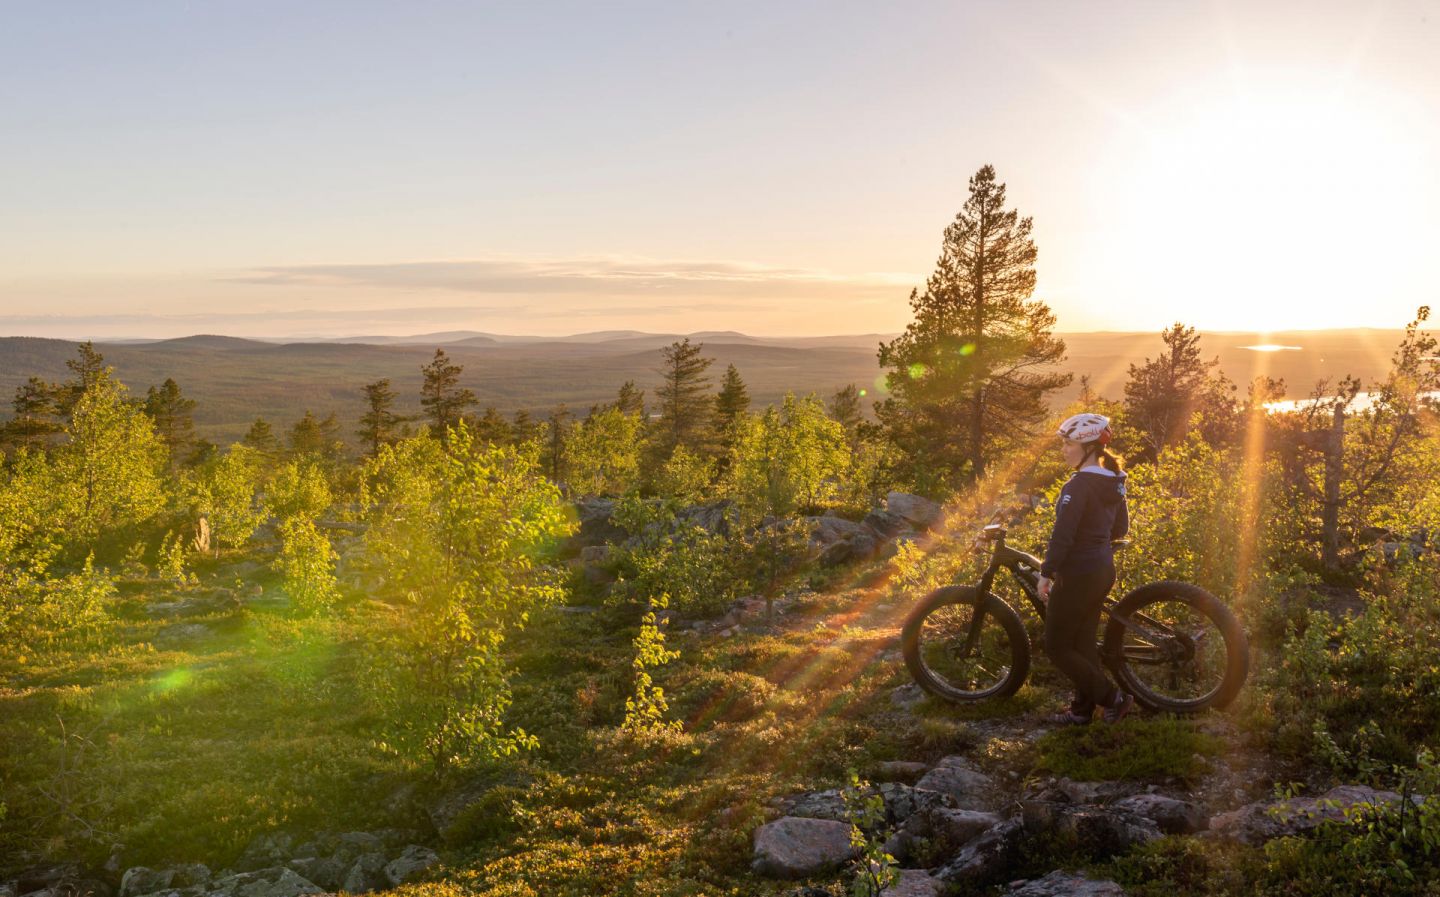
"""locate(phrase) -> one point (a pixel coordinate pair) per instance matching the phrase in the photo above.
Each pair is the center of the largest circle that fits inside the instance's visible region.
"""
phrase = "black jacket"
(1089, 513)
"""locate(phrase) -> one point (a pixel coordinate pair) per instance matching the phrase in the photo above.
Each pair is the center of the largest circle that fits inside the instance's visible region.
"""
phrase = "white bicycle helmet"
(1087, 427)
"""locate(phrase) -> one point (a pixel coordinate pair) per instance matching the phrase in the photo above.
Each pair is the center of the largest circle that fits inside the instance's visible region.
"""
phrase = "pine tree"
(261, 437)
(844, 409)
(685, 411)
(963, 380)
(89, 369)
(731, 402)
(492, 428)
(37, 415)
(174, 419)
(377, 426)
(1164, 393)
(317, 438)
(631, 400)
(441, 394)
(524, 427)
(553, 457)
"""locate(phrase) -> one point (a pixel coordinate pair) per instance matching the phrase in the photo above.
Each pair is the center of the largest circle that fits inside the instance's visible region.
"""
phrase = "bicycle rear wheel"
(962, 649)
(1182, 651)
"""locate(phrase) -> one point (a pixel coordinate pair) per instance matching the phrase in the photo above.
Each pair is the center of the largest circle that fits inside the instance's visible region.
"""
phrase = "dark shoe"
(1069, 718)
(1121, 710)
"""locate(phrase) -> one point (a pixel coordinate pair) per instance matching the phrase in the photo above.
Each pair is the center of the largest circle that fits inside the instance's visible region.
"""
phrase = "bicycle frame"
(1025, 568)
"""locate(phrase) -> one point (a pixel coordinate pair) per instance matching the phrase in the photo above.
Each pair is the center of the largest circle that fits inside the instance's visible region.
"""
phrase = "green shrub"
(1136, 749)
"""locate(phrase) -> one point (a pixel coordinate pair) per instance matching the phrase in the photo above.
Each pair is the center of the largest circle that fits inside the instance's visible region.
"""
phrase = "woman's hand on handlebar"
(1043, 587)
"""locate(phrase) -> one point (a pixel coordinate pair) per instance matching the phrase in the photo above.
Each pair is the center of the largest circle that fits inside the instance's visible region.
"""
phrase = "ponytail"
(1110, 461)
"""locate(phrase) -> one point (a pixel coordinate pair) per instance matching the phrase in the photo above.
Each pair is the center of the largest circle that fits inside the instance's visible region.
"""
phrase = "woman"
(1079, 567)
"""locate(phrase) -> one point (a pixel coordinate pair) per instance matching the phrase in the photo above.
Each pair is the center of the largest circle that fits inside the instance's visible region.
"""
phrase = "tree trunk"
(1330, 515)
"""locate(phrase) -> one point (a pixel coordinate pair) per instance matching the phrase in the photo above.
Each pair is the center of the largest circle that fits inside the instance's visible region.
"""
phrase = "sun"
(1267, 208)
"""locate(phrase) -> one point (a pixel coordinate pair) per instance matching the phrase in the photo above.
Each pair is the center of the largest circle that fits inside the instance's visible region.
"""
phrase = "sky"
(346, 168)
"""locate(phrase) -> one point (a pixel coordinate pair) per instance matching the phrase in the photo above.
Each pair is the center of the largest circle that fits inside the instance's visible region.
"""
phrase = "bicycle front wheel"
(963, 647)
(1176, 648)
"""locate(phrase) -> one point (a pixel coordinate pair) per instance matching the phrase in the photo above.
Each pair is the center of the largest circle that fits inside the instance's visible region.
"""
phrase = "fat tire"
(1237, 646)
(1002, 612)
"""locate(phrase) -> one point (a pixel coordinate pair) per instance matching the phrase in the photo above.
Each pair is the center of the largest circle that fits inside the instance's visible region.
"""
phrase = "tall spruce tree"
(631, 400)
(1163, 394)
(261, 437)
(37, 415)
(844, 409)
(685, 408)
(378, 424)
(967, 378)
(174, 418)
(441, 395)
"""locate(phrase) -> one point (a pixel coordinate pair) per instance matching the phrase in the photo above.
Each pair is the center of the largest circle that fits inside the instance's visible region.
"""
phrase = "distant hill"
(234, 380)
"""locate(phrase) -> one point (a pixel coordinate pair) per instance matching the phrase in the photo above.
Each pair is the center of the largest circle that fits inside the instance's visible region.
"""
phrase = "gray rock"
(1098, 831)
(596, 554)
(1258, 822)
(1065, 884)
(180, 634)
(939, 832)
(714, 517)
(915, 883)
(886, 523)
(907, 695)
(596, 527)
(140, 880)
(984, 860)
(792, 847)
(367, 874)
(410, 864)
(1175, 817)
(970, 788)
(273, 882)
(921, 512)
(901, 802)
(905, 771)
(328, 872)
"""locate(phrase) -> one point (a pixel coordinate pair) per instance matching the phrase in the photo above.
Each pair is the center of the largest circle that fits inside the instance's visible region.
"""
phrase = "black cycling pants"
(1071, 618)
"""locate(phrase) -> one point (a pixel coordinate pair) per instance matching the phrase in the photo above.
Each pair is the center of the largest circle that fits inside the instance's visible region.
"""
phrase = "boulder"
(886, 523)
(596, 527)
(839, 541)
(713, 517)
(1258, 822)
(922, 513)
(140, 880)
(901, 802)
(939, 832)
(1095, 830)
(985, 860)
(915, 883)
(1173, 816)
(410, 864)
(366, 874)
(1065, 884)
(276, 881)
(970, 788)
(792, 847)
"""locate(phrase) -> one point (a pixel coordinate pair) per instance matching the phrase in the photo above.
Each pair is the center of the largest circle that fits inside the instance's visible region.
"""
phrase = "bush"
(1137, 749)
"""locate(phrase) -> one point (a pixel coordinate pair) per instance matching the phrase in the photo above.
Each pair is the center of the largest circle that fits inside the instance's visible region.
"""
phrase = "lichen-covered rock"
(915, 883)
(1065, 884)
(921, 512)
(794, 847)
(366, 874)
(277, 881)
(1174, 816)
(984, 860)
(901, 802)
(1098, 831)
(1258, 822)
(970, 788)
(938, 833)
(410, 864)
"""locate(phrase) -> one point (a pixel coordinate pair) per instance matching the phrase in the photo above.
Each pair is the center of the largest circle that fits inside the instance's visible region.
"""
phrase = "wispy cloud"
(598, 275)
